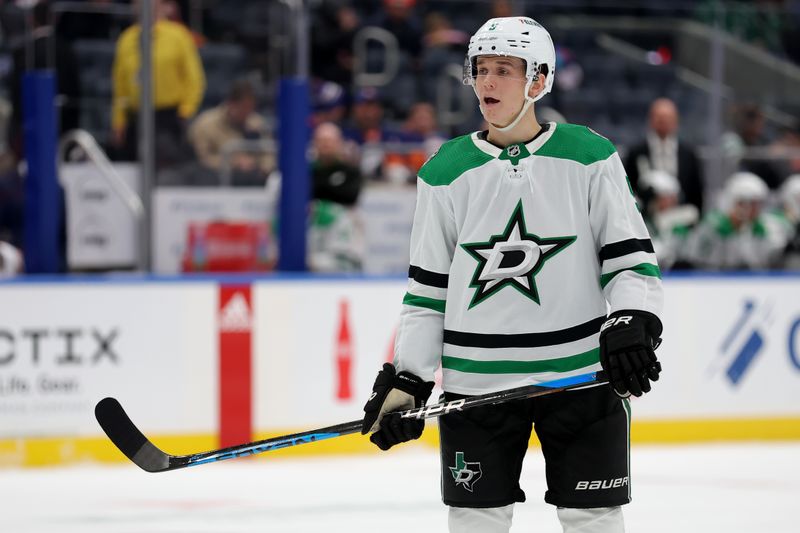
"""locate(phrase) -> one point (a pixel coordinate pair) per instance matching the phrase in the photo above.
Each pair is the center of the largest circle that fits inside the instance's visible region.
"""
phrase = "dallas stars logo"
(512, 259)
(464, 473)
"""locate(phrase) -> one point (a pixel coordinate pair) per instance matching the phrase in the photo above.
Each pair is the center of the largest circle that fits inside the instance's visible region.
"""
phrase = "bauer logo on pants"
(464, 473)
(602, 484)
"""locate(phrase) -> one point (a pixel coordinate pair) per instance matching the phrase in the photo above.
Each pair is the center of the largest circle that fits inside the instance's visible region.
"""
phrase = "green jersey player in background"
(529, 262)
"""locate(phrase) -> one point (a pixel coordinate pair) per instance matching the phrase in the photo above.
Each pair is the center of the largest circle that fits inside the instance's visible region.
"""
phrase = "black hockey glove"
(628, 340)
(394, 391)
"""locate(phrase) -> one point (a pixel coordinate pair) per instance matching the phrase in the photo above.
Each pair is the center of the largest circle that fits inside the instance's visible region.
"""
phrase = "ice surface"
(705, 489)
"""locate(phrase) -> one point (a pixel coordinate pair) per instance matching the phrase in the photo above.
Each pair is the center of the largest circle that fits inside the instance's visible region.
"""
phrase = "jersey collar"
(509, 152)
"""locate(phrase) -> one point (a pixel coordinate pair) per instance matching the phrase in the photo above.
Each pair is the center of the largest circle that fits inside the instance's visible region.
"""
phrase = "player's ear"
(537, 86)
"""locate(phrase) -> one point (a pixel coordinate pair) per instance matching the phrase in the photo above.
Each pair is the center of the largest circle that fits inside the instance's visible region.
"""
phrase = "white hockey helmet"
(11, 261)
(746, 186)
(520, 37)
(661, 182)
(790, 197)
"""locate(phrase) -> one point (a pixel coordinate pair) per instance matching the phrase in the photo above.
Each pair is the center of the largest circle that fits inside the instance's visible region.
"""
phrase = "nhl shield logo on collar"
(514, 153)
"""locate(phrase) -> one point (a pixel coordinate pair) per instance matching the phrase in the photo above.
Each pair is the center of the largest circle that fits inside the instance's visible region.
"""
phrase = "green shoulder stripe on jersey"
(721, 223)
(421, 301)
(643, 269)
(759, 229)
(578, 143)
(453, 159)
(562, 364)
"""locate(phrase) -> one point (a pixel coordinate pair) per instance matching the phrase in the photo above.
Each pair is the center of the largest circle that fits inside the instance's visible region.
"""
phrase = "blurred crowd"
(215, 115)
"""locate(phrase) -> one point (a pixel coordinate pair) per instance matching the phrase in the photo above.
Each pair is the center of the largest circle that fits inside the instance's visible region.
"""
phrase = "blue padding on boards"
(43, 197)
(293, 116)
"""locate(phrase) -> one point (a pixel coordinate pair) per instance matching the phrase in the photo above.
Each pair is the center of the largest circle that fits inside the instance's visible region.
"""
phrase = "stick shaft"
(138, 448)
(429, 411)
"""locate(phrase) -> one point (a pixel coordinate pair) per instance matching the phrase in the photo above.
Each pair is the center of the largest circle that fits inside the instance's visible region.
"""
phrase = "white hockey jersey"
(517, 255)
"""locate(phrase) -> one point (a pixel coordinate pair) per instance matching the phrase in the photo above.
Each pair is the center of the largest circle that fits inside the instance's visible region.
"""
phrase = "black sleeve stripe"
(618, 249)
(524, 340)
(426, 277)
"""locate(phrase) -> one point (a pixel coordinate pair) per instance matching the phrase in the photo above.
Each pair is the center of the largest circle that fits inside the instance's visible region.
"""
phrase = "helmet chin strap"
(528, 102)
(525, 107)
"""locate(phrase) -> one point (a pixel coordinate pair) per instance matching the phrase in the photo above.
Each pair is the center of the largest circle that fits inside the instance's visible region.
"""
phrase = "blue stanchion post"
(293, 116)
(43, 196)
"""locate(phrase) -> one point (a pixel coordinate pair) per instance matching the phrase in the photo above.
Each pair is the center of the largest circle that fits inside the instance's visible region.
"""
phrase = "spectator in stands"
(369, 131)
(443, 50)
(234, 120)
(501, 8)
(662, 150)
(336, 235)
(439, 33)
(399, 19)
(38, 42)
(332, 43)
(421, 126)
(668, 222)
(748, 125)
(366, 117)
(173, 12)
(178, 87)
(335, 177)
(422, 139)
(748, 132)
(328, 100)
(784, 150)
(739, 236)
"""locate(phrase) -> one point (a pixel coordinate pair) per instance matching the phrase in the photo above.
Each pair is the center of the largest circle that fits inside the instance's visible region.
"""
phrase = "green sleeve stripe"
(643, 269)
(562, 364)
(421, 301)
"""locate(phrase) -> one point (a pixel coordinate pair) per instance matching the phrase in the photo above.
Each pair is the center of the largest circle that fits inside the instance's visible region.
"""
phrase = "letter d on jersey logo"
(513, 258)
(464, 473)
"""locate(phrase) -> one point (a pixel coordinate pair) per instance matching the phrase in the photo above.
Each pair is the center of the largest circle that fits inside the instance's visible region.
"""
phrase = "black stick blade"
(127, 437)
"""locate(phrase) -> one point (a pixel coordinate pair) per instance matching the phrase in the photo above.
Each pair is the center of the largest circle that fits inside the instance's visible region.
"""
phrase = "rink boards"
(203, 361)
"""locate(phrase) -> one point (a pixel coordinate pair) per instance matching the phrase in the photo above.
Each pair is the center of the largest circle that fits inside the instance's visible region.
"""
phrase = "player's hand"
(628, 340)
(394, 391)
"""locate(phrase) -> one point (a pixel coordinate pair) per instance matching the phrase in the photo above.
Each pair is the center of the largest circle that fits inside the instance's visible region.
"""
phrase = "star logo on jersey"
(464, 473)
(512, 258)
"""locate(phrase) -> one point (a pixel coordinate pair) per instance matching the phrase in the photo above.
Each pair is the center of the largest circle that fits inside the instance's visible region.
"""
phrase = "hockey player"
(668, 222)
(740, 235)
(529, 262)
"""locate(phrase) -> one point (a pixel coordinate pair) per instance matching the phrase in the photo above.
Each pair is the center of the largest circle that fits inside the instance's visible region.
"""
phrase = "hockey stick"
(130, 441)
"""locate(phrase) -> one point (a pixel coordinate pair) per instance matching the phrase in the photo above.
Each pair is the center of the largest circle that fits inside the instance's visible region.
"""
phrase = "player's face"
(499, 84)
(746, 211)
